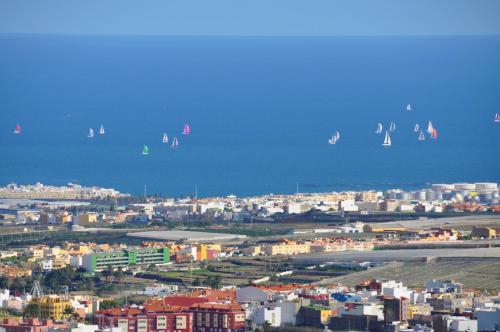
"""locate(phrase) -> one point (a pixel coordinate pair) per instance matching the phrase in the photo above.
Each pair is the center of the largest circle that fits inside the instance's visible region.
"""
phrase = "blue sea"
(261, 110)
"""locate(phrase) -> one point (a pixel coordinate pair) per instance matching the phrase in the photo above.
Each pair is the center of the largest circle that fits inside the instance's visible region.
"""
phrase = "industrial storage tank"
(464, 186)
(486, 186)
(430, 195)
(442, 186)
(421, 195)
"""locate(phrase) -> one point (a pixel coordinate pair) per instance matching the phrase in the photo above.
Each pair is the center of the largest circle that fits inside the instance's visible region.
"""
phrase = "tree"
(106, 304)
(108, 273)
(32, 310)
(70, 313)
(18, 285)
(197, 282)
(56, 278)
(118, 275)
(4, 282)
(214, 282)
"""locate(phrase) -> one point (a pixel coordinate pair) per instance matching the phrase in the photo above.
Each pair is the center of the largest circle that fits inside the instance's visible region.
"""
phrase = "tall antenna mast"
(36, 290)
(145, 191)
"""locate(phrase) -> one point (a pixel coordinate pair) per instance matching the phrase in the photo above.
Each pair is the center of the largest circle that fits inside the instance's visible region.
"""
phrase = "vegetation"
(32, 310)
(16, 285)
(213, 281)
(58, 238)
(74, 279)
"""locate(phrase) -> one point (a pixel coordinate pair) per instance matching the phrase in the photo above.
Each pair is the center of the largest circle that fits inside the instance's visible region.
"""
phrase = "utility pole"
(145, 192)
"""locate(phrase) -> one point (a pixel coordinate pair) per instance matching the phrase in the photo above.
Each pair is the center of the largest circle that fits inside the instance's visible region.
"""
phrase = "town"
(87, 259)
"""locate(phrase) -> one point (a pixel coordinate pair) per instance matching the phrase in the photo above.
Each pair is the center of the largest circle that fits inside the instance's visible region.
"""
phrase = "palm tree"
(108, 273)
(118, 275)
(71, 314)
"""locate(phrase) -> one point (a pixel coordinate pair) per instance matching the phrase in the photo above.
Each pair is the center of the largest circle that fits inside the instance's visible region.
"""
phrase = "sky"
(252, 17)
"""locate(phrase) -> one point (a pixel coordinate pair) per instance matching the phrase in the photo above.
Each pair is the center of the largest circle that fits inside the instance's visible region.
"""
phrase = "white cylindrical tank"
(486, 186)
(464, 186)
(442, 186)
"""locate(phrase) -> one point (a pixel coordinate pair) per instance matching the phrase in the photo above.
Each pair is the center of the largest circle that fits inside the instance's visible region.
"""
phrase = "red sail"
(434, 134)
(187, 129)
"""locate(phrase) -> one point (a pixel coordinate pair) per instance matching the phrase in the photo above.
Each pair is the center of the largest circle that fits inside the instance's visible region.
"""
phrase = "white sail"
(387, 139)
(379, 128)
(165, 138)
(101, 131)
(497, 117)
(408, 107)
(421, 137)
(392, 127)
(417, 127)
(332, 140)
(337, 135)
(430, 128)
(175, 143)
(91, 133)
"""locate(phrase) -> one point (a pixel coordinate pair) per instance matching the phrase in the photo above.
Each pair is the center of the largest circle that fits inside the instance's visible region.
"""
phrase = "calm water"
(261, 111)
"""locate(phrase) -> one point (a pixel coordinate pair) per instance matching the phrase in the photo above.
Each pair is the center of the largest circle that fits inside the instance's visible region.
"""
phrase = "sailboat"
(392, 127)
(101, 131)
(421, 137)
(379, 128)
(145, 150)
(408, 108)
(434, 134)
(187, 129)
(430, 128)
(18, 129)
(165, 138)
(497, 117)
(175, 143)
(417, 127)
(91, 133)
(334, 138)
(387, 139)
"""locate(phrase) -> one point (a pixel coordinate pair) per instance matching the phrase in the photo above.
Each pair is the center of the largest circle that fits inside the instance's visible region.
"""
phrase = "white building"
(75, 261)
(289, 310)
(460, 324)
(395, 289)
(4, 296)
(363, 309)
(46, 265)
(159, 290)
(443, 286)
(416, 297)
(348, 205)
(293, 208)
(269, 314)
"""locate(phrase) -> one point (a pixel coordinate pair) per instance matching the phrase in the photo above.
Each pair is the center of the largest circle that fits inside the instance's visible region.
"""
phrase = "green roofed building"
(100, 261)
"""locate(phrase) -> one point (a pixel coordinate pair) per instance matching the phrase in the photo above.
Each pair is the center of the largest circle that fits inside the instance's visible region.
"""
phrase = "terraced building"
(125, 258)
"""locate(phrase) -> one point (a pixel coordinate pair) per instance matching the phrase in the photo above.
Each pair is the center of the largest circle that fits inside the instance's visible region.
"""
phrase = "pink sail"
(434, 133)
(187, 129)
(18, 129)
